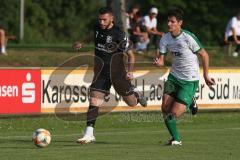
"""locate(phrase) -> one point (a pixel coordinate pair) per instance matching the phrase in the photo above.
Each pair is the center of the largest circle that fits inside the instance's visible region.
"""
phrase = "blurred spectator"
(130, 15)
(2, 42)
(138, 34)
(232, 33)
(150, 22)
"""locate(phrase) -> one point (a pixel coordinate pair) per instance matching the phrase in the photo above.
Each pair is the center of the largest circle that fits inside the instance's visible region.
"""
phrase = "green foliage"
(8, 14)
(64, 21)
(207, 19)
(51, 21)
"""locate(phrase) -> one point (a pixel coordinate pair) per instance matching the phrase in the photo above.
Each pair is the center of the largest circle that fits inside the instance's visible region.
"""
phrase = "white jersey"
(150, 23)
(185, 65)
(233, 23)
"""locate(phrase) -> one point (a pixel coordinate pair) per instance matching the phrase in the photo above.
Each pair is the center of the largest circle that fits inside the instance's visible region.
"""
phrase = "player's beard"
(108, 26)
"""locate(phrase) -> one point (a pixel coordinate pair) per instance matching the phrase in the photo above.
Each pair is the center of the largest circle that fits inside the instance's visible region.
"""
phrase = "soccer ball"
(41, 137)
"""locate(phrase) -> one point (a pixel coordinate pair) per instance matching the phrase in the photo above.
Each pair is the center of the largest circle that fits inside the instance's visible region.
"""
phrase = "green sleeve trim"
(198, 50)
(195, 38)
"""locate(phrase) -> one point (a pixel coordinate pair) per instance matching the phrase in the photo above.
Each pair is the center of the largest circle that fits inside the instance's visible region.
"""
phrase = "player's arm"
(131, 61)
(130, 55)
(205, 62)
(161, 52)
(159, 60)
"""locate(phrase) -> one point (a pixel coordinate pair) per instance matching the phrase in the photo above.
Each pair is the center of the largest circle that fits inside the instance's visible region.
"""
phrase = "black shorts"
(103, 84)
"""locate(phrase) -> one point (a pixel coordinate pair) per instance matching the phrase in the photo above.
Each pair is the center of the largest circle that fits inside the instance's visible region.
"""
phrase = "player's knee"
(165, 108)
(131, 102)
(96, 101)
(176, 114)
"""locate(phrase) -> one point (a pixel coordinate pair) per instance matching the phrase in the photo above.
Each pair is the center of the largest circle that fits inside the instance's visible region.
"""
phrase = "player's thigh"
(96, 98)
(186, 92)
(123, 87)
(167, 103)
(131, 100)
(178, 109)
(169, 94)
(101, 84)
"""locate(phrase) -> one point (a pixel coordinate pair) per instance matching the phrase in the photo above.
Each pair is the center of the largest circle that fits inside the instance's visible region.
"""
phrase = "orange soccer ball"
(41, 137)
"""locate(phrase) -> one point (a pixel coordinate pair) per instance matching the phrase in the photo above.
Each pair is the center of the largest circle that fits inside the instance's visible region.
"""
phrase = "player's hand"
(129, 76)
(77, 46)
(158, 62)
(209, 81)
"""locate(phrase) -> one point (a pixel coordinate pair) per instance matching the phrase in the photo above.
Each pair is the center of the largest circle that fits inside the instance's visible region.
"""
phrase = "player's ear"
(180, 22)
(111, 17)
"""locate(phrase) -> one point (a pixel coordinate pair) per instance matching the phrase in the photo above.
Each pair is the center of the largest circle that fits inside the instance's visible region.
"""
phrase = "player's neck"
(176, 33)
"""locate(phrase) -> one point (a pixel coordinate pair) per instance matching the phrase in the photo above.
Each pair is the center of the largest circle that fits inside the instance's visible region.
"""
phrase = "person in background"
(2, 42)
(232, 33)
(150, 22)
(138, 34)
(130, 15)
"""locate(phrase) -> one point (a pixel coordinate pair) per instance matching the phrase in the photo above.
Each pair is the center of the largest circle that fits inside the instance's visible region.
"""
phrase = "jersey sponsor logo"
(20, 91)
(177, 54)
(109, 39)
(113, 46)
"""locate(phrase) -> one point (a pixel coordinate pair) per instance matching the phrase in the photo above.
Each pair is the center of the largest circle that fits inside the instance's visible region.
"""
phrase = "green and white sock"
(171, 124)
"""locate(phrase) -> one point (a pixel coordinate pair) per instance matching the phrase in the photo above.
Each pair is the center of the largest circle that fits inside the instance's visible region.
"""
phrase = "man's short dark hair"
(105, 10)
(176, 12)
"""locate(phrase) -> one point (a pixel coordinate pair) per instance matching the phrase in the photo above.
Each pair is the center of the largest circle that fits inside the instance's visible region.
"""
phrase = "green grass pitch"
(123, 136)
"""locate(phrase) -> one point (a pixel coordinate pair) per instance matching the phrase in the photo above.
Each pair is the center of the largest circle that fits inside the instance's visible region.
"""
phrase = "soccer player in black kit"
(111, 45)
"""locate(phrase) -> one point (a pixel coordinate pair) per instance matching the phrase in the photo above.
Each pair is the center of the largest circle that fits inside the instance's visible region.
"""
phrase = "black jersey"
(110, 43)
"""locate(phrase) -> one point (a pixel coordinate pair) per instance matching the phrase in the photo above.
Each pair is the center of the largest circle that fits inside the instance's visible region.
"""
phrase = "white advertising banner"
(66, 90)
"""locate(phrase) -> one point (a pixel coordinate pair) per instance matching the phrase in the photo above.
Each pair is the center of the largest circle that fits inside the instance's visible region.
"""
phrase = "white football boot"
(86, 139)
(176, 143)
(88, 136)
(173, 142)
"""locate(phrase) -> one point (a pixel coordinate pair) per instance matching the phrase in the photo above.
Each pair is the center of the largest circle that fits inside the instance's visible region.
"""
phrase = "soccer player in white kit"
(183, 79)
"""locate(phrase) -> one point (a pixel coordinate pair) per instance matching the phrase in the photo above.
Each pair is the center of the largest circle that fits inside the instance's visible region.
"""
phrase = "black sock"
(92, 115)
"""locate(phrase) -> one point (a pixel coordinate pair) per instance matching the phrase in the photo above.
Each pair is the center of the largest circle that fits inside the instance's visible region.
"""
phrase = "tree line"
(64, 21)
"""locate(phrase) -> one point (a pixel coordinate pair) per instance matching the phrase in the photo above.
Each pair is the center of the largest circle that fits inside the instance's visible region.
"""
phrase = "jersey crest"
(109, 39)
